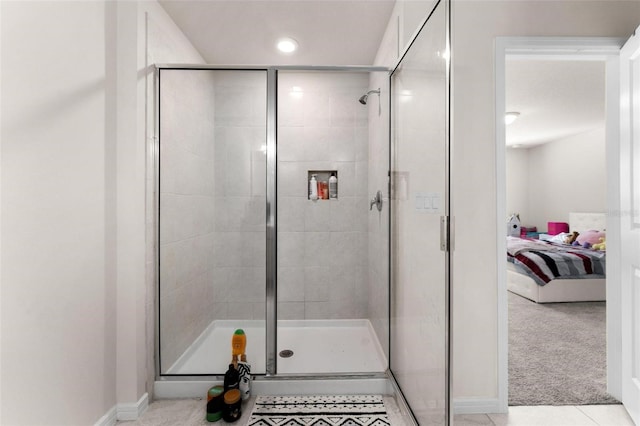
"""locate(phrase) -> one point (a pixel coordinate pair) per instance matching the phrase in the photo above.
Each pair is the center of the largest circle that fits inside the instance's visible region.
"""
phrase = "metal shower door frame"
(271, 224)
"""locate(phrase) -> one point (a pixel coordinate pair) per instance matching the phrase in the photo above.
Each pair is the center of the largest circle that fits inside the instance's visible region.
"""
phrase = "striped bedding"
(544, 261)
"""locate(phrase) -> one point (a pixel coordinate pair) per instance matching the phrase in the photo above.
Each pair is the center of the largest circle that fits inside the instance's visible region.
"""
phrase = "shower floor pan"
(318, 346)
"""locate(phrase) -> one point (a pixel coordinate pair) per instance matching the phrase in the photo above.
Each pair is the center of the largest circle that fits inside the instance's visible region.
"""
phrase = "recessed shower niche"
(326, 184)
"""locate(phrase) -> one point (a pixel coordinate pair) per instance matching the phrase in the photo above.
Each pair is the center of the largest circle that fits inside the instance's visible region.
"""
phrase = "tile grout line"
(586, 414)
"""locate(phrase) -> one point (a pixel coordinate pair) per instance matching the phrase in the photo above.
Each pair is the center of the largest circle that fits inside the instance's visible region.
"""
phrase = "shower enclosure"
(324, 287)
(219, 260)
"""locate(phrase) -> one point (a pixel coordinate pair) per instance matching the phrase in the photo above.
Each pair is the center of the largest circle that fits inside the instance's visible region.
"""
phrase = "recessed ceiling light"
(287, 45)
(510, 117)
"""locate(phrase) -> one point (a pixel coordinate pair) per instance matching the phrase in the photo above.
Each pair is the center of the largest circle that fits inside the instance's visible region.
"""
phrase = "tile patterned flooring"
(190, 412)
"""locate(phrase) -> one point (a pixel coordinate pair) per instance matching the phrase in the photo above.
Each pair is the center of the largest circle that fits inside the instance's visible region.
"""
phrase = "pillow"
(591, 236)
(558, 238)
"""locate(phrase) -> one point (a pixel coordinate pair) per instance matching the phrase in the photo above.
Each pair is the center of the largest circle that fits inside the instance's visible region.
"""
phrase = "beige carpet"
(557, 353)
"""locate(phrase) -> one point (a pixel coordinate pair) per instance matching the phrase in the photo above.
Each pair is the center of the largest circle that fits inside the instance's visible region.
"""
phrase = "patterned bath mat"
(326, 410)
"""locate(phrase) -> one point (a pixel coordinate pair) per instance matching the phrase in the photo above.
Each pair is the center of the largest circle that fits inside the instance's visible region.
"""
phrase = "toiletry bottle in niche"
(313, 188)
(323, 190)
(333, 185)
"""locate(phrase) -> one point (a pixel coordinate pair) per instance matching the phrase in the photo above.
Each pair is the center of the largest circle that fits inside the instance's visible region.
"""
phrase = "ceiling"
(244, 32)
(555, 99)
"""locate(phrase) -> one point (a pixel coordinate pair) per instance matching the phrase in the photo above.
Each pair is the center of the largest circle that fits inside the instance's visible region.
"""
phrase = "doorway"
(555, 172)
(605, 50)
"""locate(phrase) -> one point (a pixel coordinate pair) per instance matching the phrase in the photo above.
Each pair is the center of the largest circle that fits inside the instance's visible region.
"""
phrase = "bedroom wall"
(476, 24)
(567, 175)
(547, 182)
(517, 175)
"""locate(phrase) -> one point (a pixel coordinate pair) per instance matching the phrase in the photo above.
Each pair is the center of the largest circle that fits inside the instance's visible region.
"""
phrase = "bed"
(589, 286)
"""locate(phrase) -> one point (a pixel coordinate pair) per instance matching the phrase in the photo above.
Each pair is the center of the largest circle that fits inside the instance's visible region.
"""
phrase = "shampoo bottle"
(313, 188)
(333, 186)
(238, 344)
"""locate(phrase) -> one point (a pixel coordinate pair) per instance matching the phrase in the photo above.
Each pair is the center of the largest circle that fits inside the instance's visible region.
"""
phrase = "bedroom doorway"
(557, 331)
(540, 57)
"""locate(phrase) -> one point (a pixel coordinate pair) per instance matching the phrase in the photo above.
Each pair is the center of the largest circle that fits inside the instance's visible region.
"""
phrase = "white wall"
(546, 182)
(73, 211)
(58, 175)
(517, 176)
(567, 175)
(474, 271)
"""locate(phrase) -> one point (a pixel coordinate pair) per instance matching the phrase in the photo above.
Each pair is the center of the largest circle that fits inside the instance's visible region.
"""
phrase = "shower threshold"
(320, 347)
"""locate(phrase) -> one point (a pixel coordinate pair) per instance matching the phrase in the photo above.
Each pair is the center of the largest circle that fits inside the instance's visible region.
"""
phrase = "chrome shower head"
(363, 98)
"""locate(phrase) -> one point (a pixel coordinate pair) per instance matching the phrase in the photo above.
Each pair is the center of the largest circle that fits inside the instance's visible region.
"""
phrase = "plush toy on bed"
(569, 239)
(591, 238)
(602, 245)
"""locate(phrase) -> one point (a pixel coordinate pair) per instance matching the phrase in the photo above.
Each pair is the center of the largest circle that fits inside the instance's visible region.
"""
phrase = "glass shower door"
(419, 211)
(326, 310)
(211, 234)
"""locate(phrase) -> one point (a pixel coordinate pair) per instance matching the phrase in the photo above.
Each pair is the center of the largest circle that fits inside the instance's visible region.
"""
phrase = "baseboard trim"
(109, 419)
(135, 410)
(476, 406)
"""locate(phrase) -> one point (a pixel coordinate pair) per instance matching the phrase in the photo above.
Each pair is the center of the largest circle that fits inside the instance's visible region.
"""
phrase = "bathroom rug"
(319, 410)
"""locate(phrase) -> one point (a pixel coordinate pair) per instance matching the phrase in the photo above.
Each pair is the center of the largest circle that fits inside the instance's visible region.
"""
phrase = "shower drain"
(286, 353)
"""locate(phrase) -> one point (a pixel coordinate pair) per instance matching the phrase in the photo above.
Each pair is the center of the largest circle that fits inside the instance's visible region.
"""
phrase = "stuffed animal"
(569, 239)
(602, 245)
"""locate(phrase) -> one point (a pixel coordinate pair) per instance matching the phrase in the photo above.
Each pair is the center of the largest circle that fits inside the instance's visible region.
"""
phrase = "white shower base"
(319, 347)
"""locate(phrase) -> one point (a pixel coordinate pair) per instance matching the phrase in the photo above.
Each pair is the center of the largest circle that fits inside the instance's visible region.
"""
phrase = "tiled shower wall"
(239, 252)
(323, 244)
(212, 208)
(186, 209)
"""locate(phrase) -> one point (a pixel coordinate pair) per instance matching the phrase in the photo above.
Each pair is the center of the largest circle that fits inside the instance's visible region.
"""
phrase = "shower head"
(363, 98)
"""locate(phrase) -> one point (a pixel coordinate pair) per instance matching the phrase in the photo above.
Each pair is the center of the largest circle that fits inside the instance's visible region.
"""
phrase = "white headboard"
(585, 221)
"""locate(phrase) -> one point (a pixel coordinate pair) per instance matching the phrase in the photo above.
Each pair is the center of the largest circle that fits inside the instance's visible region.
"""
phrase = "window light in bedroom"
(510, 117)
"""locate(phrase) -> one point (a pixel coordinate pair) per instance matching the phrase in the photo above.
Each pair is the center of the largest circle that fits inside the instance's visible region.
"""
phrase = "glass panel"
(326, 306)
(419, 193)
(212, 218)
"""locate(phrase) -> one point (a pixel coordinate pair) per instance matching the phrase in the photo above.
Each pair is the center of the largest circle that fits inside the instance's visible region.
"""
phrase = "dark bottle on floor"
(232, 406)
(231, 378)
